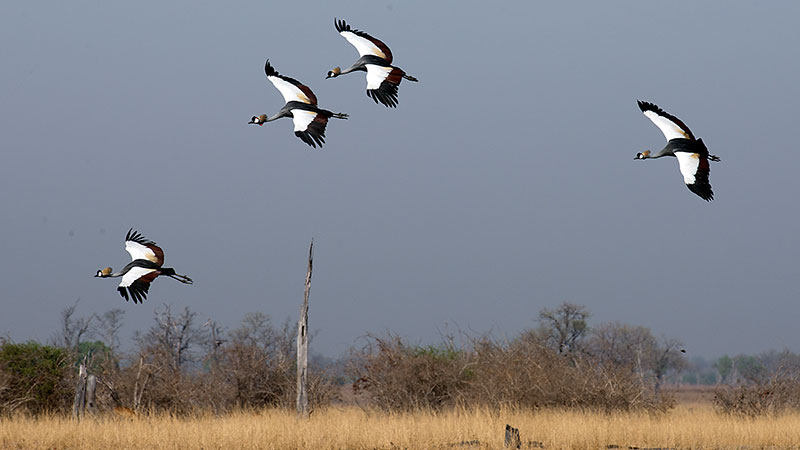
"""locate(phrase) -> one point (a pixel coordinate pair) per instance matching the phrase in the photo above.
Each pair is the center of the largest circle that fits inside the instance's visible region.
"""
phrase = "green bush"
(33, 378)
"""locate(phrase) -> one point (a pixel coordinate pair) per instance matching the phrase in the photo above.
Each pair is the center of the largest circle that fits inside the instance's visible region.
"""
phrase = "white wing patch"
(134, 274)
(670, 129)
(688, 162)
(139, 251)
(376, 75)
(302, 118)
(290, 92)
(363, 45)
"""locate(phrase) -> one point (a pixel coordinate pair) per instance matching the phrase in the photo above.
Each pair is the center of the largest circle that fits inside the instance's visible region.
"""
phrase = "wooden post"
(302, 342)
(512, 437)
(80, 392)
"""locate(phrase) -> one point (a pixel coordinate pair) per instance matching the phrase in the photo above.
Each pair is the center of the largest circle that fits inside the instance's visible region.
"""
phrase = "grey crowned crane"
(691, 153)
(301, 106)
(148, 259)
(376, 59)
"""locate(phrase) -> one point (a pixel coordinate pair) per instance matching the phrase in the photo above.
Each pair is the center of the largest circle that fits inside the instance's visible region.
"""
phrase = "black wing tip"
(341, 25)
(314, 134)
(270, 71)
(385, 95)
(311, 139)
(703, 191)
(135, 296)
(137, 291)
(647, 106)
(137, 237)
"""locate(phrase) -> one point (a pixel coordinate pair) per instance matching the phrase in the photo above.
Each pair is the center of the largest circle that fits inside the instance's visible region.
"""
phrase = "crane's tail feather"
(182, 278)
(340, 115)
(714, 158)
(409, 77)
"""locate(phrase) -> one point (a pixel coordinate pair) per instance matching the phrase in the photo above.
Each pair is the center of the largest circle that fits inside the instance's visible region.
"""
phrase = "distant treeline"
(736, 370)
(181, 366)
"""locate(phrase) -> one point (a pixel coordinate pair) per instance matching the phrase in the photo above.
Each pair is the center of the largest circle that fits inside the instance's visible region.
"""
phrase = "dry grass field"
(689, 426)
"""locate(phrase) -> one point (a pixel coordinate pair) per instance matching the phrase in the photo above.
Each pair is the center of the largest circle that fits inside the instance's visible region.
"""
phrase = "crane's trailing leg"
(182, 278)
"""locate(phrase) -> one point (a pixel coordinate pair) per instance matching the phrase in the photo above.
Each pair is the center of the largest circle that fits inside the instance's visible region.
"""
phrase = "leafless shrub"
(182, 367)
(527, 372)
(108, 326)
(259, 363)
(564, 327)
(159, 376)
(618, 346)
(399, 376)
(775, 394)
(73, 330)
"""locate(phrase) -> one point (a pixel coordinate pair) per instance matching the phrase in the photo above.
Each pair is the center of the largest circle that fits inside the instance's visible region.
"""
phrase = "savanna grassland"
(561, 392)
(688, 426)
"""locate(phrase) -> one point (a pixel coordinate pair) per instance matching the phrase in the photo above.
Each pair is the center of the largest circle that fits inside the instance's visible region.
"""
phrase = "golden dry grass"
(687, 427)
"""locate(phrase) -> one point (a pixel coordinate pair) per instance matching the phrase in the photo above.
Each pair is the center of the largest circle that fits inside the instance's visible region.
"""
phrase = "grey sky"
(503, 183)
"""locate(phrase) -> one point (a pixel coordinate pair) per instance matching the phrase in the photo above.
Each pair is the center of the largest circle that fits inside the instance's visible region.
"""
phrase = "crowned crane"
(301, 106)
(691, 153)
(148, 259)
(375, 59)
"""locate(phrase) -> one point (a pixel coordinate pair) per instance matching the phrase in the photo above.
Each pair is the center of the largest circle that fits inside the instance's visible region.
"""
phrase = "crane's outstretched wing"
(141, 248)
(310, 126)
(136, 282)
(695, 170)
(363, 42)
(291, 89)
(671, 126)
(382, 83)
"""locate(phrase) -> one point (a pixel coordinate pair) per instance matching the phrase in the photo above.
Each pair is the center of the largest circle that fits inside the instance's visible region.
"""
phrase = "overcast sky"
(503, 183)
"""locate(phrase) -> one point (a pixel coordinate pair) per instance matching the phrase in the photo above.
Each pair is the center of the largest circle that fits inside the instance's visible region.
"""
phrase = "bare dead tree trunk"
(80, 392)
(91, 386)
(302, 342)
(140, 385)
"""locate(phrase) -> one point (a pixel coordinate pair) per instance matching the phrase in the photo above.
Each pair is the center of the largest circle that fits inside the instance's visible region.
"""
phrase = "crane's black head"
(103, 272)
(258, 120)
(333, 73)
(643, 155)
